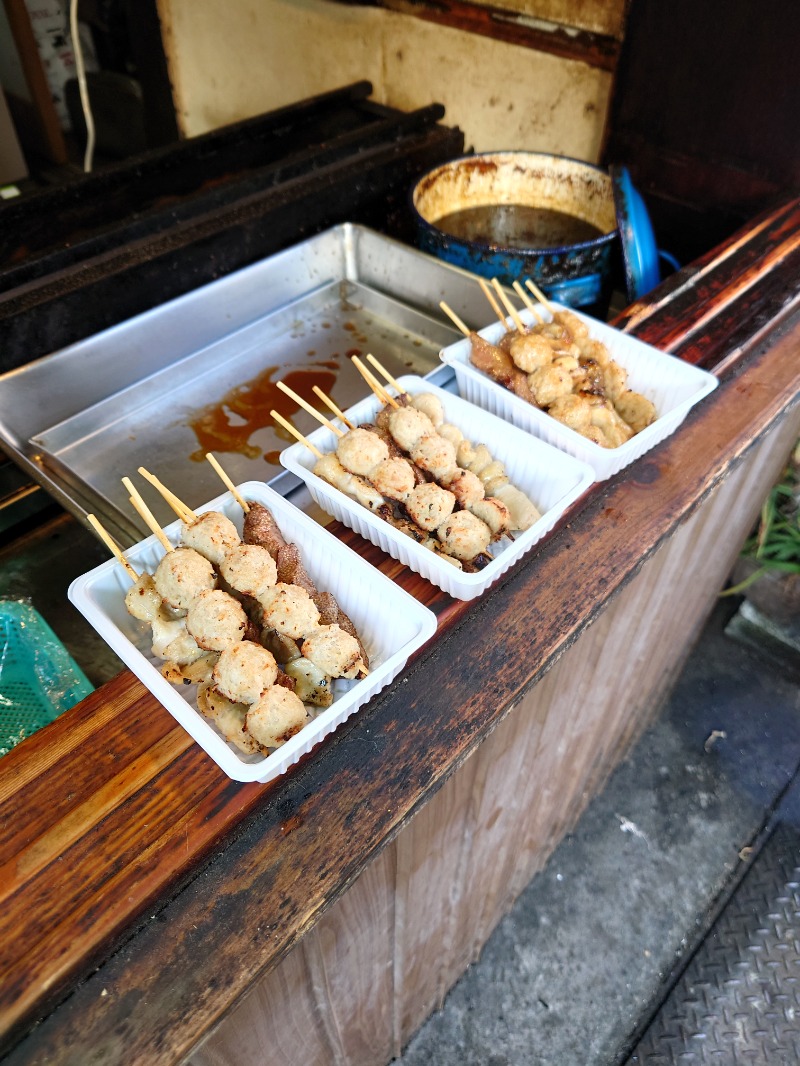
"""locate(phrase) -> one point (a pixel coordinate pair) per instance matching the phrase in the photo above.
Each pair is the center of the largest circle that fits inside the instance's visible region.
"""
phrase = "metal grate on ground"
(738, 1001)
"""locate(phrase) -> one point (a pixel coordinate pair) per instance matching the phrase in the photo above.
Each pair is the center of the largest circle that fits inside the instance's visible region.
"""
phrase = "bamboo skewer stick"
(454, 318)
(296, 433)
(518, 289)
(326, 422)
(382, 370)
(487, 292)
(185, 513)
(146, 514)
(509, 306)
(374, 384)
(329, 402)
(111, 545)
(245, 506)
(540, 296)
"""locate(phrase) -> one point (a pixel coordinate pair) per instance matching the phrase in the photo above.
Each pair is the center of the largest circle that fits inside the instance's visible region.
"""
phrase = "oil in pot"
(518, 226)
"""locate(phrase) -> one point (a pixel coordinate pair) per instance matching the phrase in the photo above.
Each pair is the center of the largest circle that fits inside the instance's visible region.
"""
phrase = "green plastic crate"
(38, 677)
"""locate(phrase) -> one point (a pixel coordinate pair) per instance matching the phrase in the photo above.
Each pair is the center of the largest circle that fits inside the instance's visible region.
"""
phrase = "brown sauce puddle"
(249, 405)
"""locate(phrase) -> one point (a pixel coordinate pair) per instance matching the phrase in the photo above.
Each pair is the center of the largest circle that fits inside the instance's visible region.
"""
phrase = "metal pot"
(578, 274)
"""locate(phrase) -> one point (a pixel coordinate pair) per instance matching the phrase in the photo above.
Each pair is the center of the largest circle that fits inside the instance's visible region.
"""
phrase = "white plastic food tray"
(552, 480)
(672, 385)
(391, 624)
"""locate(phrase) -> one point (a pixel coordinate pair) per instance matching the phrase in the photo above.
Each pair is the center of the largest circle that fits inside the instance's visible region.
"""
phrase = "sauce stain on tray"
(229, 424)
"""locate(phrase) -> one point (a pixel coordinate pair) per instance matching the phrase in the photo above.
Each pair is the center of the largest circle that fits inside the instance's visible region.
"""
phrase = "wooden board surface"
(111, 816)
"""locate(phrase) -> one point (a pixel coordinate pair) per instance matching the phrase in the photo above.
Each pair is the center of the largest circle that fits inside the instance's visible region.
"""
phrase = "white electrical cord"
(84, 89)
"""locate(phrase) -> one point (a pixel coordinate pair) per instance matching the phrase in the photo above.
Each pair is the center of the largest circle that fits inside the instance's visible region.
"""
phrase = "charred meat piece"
(261, 528)
(291, 570)
(500, 367)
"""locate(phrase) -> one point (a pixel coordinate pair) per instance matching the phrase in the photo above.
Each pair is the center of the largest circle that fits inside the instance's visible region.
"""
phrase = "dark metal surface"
(738, 1000)
(182, 222)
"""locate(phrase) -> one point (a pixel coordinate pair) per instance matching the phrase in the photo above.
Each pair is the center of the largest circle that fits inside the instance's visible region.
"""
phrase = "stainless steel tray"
(80, 419)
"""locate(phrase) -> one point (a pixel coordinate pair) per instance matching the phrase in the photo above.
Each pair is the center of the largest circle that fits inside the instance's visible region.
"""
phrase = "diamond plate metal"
(738, 1001)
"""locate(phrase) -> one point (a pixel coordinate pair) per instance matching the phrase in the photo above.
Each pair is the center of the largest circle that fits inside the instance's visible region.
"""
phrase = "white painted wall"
(231, 59)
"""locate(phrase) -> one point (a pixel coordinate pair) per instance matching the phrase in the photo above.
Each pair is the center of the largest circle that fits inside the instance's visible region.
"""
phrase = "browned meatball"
(275, 717)
(181, 576)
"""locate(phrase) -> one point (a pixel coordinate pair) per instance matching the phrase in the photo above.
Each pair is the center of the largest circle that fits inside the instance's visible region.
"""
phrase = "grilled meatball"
(216, 620)
(360, 451)
(275, 717)
(464, 536)
(249, 568)
(434, 454)
(244, 671)
(530, 351)
(289, 609)
(212, 535)
(466, 487)
(333, 651)
(429, 505)
(394, 478)
(181, 576)
(407, 425)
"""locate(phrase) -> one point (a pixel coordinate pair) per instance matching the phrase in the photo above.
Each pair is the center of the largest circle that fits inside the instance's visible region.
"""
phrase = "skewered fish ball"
(250, 569)
(491, 472)
(289, 609)
(244, 671)
(549, 382)
(393, 478)
(334, 651)
(407, 425)
(466, 487)
(435, 455)
(275, 717)
(360, 451)
(530, 351)
(429, 504)
(212, 535)
(463, 535)
(216, 620)
(615, 380)
(181, 576)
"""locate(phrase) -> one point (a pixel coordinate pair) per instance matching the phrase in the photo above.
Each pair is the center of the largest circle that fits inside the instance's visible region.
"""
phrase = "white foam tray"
(551, 479)
(672, 385)
(391, 624)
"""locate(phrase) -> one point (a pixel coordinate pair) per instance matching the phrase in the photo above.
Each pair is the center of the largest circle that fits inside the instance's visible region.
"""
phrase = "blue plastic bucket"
(580, 274)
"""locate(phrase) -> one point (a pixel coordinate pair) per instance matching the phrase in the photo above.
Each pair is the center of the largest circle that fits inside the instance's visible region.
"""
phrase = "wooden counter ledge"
(143, 892)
